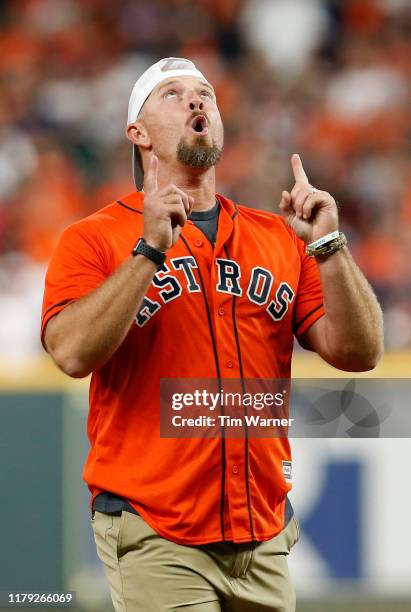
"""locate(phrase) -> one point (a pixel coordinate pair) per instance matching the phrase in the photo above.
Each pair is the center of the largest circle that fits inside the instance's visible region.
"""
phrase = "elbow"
(363, 363)
(70, 365)
(75, 370)
(369, 356)
(358, 351)
(358, 360)
(65, 350)
(373, 360)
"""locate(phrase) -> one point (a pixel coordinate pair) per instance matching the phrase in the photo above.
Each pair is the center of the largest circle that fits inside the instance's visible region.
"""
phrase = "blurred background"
(329, 79)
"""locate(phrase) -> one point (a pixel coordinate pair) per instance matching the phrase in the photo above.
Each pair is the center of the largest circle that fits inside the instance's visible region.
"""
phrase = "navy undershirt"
(207, 221)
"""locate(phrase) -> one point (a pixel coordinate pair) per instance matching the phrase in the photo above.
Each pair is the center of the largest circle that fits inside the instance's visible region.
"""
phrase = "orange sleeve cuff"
(50, 313)
(307, 320)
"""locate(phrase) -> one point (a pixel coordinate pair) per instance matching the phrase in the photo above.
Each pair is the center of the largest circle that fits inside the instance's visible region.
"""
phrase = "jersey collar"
(135, 201)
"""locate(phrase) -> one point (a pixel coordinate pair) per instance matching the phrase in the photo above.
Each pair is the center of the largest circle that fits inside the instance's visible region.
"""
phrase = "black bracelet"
(155, 255)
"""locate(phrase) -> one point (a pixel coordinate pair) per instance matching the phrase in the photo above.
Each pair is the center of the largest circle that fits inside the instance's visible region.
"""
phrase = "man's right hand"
(165, 210)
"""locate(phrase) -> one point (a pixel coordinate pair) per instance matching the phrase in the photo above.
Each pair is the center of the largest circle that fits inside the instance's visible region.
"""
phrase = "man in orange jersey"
(176, 281)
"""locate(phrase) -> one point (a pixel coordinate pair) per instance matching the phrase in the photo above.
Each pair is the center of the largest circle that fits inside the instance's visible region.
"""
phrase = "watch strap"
(155, 255)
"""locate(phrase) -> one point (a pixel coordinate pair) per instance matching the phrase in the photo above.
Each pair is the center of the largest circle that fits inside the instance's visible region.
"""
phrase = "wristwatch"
(142, 248)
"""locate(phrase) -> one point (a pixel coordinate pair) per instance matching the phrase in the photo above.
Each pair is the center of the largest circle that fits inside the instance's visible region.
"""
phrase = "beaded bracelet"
(328, 247)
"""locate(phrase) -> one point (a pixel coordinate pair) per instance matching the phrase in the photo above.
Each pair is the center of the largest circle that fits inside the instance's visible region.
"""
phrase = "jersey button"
(198, 243)
(234, 469)
(221, 312)
(229, 364)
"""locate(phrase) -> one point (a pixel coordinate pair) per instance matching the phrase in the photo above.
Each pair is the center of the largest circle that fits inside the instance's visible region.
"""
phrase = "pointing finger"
(150, 179)
(298, 170)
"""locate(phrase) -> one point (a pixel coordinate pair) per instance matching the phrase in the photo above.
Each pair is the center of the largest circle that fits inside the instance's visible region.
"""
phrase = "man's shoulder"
(266, 219)
(115, 213)
(257, 213)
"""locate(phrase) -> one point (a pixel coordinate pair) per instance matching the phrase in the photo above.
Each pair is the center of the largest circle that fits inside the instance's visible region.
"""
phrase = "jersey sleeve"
(78, 265)
(309, 300)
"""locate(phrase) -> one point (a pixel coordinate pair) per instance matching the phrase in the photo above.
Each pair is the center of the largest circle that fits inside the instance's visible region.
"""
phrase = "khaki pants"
(148, 573)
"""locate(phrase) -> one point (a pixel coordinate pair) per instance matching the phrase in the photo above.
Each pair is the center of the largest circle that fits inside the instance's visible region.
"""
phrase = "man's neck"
(199, 185)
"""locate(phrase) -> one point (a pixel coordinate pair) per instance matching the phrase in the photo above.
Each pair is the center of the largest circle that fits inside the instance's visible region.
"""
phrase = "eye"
(170, 93)
(206, 93)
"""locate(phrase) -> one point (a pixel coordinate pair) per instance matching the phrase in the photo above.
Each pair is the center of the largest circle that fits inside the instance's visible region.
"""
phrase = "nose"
(194, 101)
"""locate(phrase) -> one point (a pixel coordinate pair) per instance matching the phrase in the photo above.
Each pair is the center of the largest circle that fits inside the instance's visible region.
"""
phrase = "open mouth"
(199, 125)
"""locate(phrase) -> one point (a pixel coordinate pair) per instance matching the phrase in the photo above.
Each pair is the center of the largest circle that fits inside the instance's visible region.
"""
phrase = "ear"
(138, 134)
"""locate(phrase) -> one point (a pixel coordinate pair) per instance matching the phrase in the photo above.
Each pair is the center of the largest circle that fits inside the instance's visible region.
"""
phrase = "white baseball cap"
(164, 69)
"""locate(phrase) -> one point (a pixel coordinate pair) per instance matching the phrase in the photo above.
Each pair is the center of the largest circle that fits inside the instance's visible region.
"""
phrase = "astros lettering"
(229, 281)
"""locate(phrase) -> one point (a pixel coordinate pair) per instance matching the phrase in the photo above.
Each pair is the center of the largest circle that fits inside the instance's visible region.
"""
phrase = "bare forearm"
(85, 334)
(353, 324)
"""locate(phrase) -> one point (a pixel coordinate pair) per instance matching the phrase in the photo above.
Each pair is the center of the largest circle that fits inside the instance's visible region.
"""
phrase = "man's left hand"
(309, 212)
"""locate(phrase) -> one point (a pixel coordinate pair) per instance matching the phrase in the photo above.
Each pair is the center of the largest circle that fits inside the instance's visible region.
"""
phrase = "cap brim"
(137, 168)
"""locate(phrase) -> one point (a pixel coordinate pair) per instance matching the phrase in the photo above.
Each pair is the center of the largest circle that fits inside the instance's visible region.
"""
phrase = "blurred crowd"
(329, 79)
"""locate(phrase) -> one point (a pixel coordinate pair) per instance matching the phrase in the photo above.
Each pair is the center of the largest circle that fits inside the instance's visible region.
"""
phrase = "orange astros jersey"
(225, 312)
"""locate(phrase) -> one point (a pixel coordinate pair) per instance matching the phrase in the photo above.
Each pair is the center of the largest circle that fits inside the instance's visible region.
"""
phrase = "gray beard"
(198, 155)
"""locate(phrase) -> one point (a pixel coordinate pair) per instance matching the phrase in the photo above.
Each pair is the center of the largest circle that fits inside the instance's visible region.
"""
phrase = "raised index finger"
(150, 179)
(299, 173)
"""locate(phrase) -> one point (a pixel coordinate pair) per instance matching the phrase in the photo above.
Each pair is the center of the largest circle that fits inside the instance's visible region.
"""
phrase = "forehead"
(184, 82)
